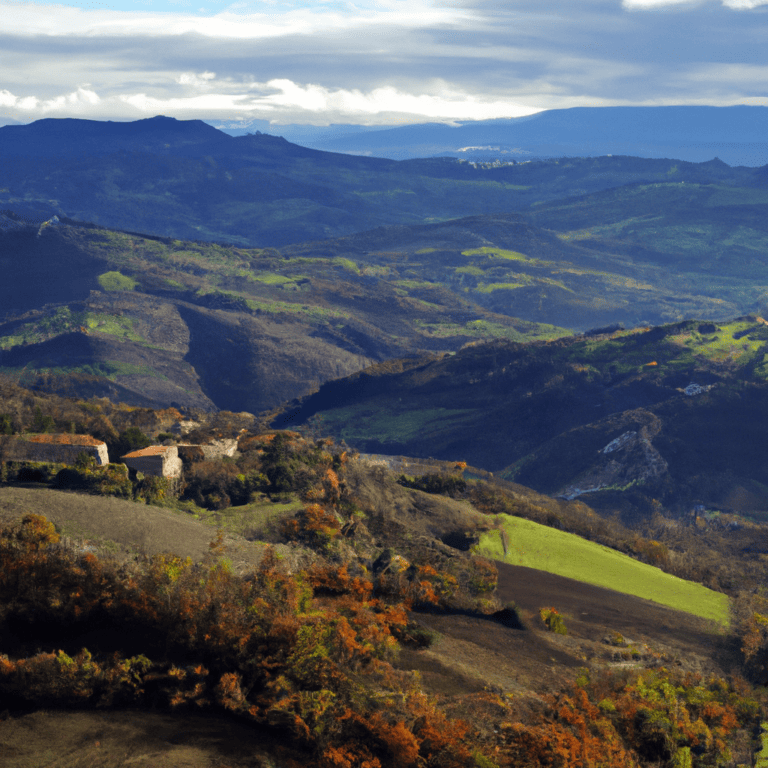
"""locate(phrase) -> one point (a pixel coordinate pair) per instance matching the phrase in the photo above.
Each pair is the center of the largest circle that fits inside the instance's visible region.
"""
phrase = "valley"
(474, 651)
(496, 496)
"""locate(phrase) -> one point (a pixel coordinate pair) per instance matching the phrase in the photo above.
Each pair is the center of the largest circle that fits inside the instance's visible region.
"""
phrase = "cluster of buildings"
(157, 460)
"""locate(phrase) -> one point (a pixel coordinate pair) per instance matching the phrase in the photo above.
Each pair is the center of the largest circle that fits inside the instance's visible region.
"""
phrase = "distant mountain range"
(185, 179)
(376, 262)
(370, 259)
(735, 135)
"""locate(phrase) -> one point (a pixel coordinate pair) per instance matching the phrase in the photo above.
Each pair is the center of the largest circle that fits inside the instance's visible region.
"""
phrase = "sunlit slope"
(154, 321)
(628, 420)
(523, 542)
(701, 228)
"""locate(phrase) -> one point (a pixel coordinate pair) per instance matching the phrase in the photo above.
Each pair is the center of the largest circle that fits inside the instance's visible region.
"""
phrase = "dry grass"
(125, 529)
(130, 738)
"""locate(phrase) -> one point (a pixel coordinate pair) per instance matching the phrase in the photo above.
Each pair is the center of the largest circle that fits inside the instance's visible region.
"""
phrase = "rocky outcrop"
(627, 460)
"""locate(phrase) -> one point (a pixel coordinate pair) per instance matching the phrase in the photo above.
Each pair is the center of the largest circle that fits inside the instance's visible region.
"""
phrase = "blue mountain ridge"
(738, 135)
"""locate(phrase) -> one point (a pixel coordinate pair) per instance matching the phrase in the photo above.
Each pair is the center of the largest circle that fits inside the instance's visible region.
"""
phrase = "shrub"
(110, 480)
(448, 485)
(153, 489)
(553, 621)
(69, 478)
(41, 423)
(131, 439)
(313, 525)
(32, 471)
(217, 485)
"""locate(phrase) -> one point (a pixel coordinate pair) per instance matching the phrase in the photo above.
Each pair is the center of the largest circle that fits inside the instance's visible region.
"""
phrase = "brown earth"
(125, 529)
(139, 739)
(471, 653)
(474, 652)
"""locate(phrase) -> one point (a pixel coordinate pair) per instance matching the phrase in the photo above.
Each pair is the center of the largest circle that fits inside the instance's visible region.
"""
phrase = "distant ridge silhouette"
(736, 135)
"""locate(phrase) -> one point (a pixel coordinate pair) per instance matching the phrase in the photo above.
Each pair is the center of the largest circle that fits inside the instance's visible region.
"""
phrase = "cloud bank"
(377, 63)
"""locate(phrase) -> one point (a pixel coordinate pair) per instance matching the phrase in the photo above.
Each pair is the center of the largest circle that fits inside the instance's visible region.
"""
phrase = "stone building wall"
(62, 449)
(157, 460)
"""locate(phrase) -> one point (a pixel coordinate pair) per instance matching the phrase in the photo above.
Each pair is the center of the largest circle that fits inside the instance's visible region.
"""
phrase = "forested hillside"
(630, 420)
(343, 615)
(185, 179)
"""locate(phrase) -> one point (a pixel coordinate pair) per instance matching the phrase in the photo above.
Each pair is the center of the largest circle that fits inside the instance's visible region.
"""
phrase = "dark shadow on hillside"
(43, 270)
(107, 367)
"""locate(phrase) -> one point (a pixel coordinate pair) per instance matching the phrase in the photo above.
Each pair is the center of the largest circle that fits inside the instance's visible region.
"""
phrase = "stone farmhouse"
(59, 448)
(157, 460)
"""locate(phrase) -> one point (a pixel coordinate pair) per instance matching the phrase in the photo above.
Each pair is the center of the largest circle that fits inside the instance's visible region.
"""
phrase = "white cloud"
(644, 4)
(32, 18)
(282, 99)
(192, 78)
(741, 5)
(375, 61)
(77, 102)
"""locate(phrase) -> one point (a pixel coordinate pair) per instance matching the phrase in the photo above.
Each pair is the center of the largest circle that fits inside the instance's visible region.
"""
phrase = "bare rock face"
(627, 460)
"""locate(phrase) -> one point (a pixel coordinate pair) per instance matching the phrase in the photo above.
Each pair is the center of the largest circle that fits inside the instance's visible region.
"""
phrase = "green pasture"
(64, 320)
(499, 253)
(491, 287)
(739, 342)
(482, 329)
(547, 549)
(762, 756)
(114, 281)
(385, 423)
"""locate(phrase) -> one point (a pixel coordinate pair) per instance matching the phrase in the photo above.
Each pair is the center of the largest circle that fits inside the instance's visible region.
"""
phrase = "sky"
(390, 62)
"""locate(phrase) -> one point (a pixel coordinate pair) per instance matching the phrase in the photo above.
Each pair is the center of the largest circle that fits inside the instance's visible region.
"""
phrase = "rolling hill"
(629, 420)
(185, 179)
(156, 320)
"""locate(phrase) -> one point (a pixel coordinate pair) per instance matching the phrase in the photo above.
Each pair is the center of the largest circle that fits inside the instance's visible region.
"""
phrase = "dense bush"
(131, 439)
(553, 620)
(217, 485)
(31, 471)
(277, 463)
(307, 654)
(300, 653)
(449, 485)
(109, 480)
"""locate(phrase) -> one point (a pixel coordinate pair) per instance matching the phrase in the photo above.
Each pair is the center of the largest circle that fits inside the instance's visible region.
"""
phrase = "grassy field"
(762, 756)
(547, 549)
(126, 528)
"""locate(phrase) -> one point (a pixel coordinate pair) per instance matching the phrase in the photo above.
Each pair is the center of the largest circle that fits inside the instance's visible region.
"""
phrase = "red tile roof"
(64, 439)
(153, 450)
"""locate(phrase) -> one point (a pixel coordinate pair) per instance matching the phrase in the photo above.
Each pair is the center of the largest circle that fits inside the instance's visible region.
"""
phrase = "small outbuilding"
(157, 460)
(60, 448)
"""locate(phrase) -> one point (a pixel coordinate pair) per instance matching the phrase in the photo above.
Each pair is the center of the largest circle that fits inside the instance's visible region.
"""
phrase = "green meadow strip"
(547, 549)
(761, 757)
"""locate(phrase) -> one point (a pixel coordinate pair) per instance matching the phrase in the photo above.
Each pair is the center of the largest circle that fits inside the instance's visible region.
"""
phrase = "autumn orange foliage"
(291, 651)
(308, 654)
